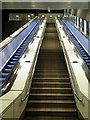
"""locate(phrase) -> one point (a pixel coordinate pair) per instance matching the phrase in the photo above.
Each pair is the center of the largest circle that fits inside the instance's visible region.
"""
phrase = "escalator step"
(9, 66)
(87, 61)
(12, 62)
(85, 55)
(18, 54)
(86, 58)
(2, 79)
(4, 74)
(13, 59)
(15, 56)
(7, 70)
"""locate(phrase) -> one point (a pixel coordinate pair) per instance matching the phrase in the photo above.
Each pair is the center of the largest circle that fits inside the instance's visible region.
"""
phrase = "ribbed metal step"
(51, 96)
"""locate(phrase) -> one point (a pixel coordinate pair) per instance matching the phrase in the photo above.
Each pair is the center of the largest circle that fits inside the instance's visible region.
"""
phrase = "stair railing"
(80, 99)
(22, 100)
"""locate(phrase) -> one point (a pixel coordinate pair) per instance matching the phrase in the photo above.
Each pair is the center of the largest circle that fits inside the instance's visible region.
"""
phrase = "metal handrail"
(23, 99)
(80, 100)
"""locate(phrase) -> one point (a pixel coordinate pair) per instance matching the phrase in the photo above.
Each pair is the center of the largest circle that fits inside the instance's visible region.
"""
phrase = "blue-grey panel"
(12, 46)
(80, 37)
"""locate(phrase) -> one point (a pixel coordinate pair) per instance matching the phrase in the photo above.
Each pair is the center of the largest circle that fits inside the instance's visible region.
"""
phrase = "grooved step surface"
(51, 96)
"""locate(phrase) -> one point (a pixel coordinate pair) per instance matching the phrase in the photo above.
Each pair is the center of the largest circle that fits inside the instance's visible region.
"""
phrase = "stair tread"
(51, 83)
(51, 78)
(51, 101)
(52, 109)
(53, 88)
(52, 73)
(50, 94)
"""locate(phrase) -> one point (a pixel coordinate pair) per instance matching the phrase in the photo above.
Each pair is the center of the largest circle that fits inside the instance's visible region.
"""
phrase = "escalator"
(15, 50)
(51, 95)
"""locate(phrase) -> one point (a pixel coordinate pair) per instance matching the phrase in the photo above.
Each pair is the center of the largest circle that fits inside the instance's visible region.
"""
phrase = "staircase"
(51, 96)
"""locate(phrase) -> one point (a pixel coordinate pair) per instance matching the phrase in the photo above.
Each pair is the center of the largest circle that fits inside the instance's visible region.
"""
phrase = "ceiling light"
(28, 16)
(50, 15)
(17, 16)
(32, 14)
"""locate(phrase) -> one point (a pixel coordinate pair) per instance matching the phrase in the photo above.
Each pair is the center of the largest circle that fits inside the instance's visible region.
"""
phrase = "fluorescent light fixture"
(42, 15)
(48, 9)
(32, 14)
(17, 16)
(50, 15)
(28, 16)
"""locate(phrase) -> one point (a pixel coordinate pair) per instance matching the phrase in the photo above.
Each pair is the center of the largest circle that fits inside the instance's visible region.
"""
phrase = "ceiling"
(45, 4)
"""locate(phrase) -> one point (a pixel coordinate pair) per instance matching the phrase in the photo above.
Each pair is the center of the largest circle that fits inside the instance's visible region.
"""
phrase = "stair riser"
(51, 80)
(50, 35)
(52, 85)
(61, 67)
(50, 68)
(51, 30)
(45, 113)
(60, 91)
(33, 97)
(57, 60)
(52, 75)
(50, 71)
(51, 105)
(52, 65)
